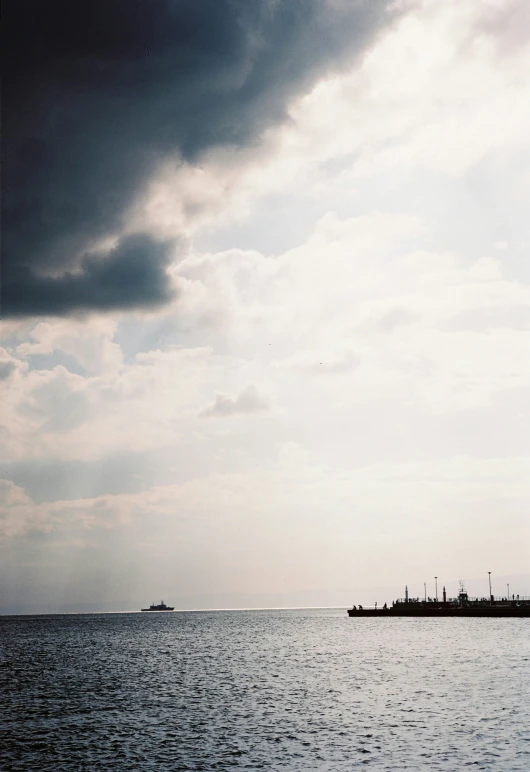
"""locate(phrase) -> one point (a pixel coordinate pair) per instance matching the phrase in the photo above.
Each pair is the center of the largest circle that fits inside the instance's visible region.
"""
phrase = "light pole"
(425, 590)
(489, 579)
(436, 587)
(508, 586)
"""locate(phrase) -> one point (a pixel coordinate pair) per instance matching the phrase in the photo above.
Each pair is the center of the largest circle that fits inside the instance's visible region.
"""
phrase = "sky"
(265, 301)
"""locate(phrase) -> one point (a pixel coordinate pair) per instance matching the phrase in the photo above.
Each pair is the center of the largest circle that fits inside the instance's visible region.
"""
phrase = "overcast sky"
(265, 300)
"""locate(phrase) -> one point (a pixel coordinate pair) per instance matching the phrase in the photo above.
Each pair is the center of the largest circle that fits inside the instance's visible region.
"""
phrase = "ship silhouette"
(159, 607)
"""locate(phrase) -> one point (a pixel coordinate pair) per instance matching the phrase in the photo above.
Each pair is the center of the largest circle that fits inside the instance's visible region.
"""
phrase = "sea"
(306, 689)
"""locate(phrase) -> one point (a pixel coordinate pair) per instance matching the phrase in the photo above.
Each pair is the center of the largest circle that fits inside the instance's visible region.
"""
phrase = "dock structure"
(461, 606)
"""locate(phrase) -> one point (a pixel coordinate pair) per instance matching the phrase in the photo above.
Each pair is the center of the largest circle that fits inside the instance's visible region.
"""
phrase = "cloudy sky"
(265, 301)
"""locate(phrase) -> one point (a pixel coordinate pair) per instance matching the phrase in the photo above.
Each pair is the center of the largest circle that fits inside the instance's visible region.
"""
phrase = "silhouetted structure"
(159, 607)
(461, 606)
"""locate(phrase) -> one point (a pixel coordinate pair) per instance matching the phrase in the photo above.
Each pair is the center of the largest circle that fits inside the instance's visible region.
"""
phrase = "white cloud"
(18, 515)
(313, 521)
(246, 402)
(325, 362)
(434, 93)
(357, 300)
(89, 343)
(418, 429)
(8, 364)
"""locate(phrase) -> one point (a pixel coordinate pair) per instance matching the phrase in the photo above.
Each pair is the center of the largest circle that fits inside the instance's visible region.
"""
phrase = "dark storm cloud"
(97, 92)
(131, 275)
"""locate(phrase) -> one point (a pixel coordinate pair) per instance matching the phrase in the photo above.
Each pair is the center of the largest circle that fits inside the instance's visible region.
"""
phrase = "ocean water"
(274, 690)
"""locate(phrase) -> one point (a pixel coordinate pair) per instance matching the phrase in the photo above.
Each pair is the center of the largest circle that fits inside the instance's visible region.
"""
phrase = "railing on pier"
(485, 599)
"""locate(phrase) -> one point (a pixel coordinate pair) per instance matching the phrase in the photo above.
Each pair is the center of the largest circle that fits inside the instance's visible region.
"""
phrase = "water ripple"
(296, 690)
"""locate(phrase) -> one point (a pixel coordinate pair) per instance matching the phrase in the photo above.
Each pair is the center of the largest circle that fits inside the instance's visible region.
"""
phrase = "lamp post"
(508, 586)
(436, 587)
(489, 580)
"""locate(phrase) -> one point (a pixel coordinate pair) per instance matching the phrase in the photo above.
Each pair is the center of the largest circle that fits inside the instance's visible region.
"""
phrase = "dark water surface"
(295, 690)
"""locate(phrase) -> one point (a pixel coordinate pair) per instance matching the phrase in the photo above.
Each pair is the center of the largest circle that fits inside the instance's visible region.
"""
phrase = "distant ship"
(159, 607)
(461, 606)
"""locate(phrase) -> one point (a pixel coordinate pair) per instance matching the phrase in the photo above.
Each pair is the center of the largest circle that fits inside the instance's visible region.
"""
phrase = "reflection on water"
(297, 690)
